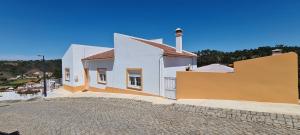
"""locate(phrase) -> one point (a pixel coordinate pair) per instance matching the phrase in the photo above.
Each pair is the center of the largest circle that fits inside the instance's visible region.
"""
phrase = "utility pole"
(44, 75)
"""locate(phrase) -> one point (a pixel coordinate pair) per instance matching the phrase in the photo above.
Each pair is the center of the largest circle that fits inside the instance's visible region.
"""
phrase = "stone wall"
(278, 120)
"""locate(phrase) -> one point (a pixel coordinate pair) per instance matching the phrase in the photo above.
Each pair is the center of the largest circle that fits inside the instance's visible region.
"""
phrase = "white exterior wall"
(160, 40)
(173, 64)
(93, 65)
(67, 62)
(130, 53)
(72, 60)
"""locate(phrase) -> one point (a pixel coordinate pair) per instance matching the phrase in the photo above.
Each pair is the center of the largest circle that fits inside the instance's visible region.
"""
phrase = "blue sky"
(46, 27)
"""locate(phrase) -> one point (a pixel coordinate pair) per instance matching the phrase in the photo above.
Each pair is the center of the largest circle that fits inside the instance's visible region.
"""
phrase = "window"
(134, 78)
(101, 77)
(67, 74)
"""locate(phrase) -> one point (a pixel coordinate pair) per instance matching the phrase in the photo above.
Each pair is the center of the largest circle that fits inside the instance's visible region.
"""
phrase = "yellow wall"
(266, 79)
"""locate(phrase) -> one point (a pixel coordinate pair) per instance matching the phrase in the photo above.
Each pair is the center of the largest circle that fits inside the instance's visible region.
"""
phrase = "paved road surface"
(92, 116)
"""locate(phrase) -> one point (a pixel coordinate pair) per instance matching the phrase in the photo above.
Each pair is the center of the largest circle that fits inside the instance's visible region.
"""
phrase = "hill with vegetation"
(206, 57)
(12, 69)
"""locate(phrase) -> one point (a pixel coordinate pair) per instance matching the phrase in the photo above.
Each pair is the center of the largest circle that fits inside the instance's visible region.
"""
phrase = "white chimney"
(178, 32)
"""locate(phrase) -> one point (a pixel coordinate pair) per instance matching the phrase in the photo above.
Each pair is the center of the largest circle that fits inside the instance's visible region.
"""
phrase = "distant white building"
(133, 64)
(216, 68)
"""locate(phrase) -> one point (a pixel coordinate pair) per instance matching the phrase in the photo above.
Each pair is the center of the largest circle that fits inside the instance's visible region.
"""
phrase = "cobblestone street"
(89, 116)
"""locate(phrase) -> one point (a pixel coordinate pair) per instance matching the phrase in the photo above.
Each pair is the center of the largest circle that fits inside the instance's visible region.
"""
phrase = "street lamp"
(44, 75)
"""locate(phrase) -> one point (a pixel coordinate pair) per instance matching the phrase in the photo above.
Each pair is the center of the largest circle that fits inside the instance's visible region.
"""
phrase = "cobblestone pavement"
(89, 116)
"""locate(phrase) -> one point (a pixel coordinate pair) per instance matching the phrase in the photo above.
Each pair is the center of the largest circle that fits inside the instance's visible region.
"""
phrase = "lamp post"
(44, 75)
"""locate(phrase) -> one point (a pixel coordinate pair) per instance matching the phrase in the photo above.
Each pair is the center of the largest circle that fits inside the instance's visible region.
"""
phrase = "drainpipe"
(159, 69)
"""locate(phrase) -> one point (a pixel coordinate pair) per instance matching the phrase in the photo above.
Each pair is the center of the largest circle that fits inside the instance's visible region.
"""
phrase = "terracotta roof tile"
(168, 51)
(104, 55)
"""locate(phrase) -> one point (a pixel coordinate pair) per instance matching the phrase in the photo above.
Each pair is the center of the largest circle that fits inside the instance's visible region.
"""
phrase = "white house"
(148, 66)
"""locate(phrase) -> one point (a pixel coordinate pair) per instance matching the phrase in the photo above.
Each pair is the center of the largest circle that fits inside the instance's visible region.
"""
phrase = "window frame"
(136, 87)
(99, 72)
(67, 78)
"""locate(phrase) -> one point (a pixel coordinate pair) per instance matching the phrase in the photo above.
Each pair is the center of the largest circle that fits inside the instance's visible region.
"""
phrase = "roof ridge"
(103, 55)
(138, 38)
(168, 50)
(154, 42)
(162, 44)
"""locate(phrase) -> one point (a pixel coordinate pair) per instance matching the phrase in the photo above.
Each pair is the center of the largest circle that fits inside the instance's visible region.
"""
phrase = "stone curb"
(277, 120)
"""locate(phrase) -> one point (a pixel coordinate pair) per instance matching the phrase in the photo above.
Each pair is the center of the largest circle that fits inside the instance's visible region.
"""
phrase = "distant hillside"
(9, 69)
(206, 57)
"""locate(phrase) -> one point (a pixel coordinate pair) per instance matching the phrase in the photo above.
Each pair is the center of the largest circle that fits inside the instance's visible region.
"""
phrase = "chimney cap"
(178, 30)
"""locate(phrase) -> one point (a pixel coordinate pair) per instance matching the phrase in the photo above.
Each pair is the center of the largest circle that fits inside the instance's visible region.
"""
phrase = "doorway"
(86, 79)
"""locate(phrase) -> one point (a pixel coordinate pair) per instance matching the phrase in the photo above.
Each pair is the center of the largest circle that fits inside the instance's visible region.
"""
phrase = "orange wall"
(107, 89)
(121, 91)
(266, 79)
(73, 89)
